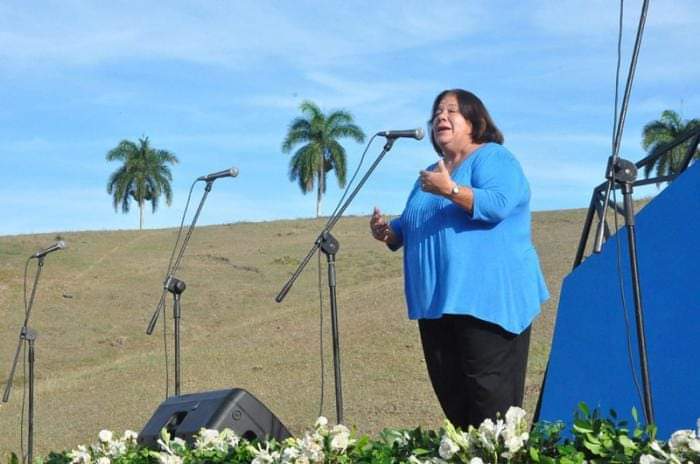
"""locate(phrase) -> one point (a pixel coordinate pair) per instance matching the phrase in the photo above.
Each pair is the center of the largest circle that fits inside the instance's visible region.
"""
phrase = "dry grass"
(97, 369)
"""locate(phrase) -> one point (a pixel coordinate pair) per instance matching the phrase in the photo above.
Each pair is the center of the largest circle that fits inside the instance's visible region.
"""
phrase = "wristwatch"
(455, 189)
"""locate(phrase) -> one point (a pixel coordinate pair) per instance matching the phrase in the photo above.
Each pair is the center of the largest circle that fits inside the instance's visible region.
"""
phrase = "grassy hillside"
(96, 367)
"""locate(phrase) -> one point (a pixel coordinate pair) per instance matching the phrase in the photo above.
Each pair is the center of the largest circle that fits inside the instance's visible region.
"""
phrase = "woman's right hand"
(380, 228)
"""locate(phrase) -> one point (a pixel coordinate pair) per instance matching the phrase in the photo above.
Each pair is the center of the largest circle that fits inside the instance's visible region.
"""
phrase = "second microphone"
(232, 172)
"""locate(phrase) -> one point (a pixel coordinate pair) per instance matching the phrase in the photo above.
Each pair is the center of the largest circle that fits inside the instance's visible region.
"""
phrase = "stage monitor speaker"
(236, 409)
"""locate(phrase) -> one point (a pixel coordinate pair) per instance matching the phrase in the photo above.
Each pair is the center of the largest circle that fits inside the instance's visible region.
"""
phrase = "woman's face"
(451, 130)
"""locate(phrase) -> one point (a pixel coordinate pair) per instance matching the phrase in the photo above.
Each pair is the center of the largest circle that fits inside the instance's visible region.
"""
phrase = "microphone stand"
(330, 246)
(622, 173)
(176, 287)
(29, 336)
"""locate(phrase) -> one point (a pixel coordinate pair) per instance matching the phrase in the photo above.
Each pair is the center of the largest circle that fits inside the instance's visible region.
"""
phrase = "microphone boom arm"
(176, 265)
(331, 223)
(23, 331)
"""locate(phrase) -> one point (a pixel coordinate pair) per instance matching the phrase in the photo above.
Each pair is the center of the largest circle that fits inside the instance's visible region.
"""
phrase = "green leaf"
(652, 429)
(626, 442)
(582, 427)
(582, 406)
(607, 442)
(165, 435)
(593, 448)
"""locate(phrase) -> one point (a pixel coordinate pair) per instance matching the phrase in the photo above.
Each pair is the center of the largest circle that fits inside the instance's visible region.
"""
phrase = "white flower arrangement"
(105, 450)
(503, 440)
(448, 448)
(683, 447)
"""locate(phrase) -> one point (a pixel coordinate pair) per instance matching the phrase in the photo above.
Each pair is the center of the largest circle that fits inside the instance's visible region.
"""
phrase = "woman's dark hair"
(483, 128)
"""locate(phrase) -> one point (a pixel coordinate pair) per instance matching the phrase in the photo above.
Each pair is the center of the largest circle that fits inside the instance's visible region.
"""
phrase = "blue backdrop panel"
(591, 360)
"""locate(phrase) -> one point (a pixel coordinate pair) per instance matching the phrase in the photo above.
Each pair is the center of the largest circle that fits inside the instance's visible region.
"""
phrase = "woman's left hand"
(437, 181)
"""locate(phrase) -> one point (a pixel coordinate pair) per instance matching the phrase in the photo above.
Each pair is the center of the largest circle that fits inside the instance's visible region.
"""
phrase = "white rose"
(515, 415)
(229, 437)
(312, 450)
(116, 449)
(340, 438)
(694, 445)
(681, 439)
(80, 455)
(448, 448)
(105, 436)
(321, 422)
(290, 454)
(339, 442)
(476, 461)
(487, 426)
(130, 435)
(206, 437)
(209, 434)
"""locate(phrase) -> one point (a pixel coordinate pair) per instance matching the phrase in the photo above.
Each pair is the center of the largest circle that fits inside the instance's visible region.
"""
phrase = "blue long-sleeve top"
(481, 264)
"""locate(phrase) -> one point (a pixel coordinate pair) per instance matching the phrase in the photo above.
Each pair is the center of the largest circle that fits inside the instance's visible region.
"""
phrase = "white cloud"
(224, 33)
(600, 18)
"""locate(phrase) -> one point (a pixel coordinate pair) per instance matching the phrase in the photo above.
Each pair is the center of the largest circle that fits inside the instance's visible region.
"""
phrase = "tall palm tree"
(321, 151)
(144, 175)
(665, 130)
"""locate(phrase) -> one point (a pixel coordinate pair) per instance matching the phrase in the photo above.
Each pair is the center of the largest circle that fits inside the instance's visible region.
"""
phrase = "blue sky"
(218, 82)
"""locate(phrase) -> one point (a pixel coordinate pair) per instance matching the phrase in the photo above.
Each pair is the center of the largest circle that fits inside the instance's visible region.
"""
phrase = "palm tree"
(321, 151)
(144, 175)
(662, 131)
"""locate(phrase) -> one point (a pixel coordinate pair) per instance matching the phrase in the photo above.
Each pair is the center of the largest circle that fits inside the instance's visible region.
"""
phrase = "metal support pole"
(176, 287)
(637, 293)
(329, 247)
(176, 316)
(30, 337)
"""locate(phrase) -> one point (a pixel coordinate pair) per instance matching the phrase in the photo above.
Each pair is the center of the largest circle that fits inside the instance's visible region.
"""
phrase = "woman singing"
(471, 273)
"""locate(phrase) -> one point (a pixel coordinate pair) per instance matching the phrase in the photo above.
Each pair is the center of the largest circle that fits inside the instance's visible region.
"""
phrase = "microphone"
(60, 245)
(233, 172)
(412, 133)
